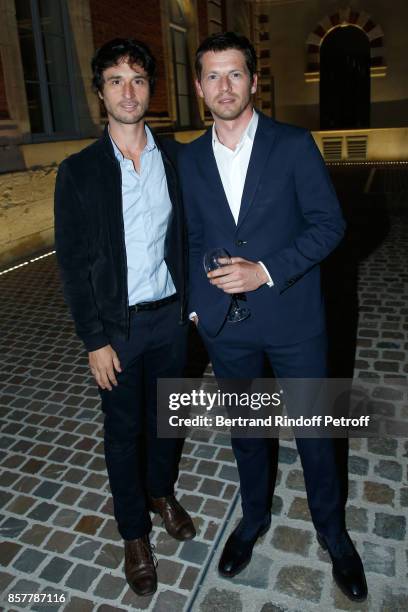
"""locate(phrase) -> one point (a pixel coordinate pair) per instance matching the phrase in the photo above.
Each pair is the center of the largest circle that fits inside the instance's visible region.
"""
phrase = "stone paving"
(57, 532)
(289, 572)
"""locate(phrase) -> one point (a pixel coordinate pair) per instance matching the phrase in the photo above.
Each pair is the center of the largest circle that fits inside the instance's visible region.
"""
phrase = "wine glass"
(211, 261)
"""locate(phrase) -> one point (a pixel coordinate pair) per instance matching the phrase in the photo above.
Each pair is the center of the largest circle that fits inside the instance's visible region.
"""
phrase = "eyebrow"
(119, 76)
(221, 73)
(232, 70)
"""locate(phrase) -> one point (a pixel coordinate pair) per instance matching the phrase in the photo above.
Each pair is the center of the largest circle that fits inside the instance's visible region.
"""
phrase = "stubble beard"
(127, 118)
(231, 113)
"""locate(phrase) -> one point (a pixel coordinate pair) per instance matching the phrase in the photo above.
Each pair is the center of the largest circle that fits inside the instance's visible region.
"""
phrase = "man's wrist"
(268, 280)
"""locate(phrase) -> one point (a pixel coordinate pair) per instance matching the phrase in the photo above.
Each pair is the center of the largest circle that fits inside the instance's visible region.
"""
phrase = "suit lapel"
(263, 142)
(208, 168)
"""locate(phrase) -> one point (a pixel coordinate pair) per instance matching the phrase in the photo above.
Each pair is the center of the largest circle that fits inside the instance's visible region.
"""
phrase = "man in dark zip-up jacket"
(121, 251)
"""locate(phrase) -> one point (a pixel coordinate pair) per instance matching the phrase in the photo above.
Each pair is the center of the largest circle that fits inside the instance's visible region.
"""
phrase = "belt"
(153, 305)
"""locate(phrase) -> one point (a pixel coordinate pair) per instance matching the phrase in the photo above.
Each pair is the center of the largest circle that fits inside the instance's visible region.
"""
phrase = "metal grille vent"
(357, 147)
(332, 148)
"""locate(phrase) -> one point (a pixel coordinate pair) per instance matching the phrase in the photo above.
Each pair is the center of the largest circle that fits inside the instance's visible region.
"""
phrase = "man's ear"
(254, 83)
(198, 88)
(100, 95)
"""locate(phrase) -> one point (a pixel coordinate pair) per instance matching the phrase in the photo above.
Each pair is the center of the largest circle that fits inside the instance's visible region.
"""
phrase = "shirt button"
(240, 243)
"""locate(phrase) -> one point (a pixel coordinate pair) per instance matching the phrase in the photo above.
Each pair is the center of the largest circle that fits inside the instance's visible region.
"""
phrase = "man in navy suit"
(260, 190)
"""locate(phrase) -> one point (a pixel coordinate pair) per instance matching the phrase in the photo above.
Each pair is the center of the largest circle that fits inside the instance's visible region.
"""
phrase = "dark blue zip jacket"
(90, 240)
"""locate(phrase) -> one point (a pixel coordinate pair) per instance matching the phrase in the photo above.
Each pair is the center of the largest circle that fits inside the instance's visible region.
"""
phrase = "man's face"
(126, 92)
(225, 83)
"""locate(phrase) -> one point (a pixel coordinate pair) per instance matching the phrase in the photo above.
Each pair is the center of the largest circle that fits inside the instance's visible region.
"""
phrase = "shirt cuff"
(270, 281)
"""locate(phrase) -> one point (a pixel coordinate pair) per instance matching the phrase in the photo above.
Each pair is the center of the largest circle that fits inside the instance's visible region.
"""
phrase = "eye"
(115, 81)
(212, 77)
(236, 75)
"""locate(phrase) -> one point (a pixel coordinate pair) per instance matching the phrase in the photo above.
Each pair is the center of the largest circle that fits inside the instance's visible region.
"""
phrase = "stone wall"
(383, 144)
(27, 200)
(26, 213)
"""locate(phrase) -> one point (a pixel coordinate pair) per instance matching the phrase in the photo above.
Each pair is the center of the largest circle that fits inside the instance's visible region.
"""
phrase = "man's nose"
(225, 83)
(128, 91)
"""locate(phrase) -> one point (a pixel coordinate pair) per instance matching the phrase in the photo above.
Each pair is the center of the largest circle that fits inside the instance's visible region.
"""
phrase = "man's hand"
(103, 363)
(239, 276)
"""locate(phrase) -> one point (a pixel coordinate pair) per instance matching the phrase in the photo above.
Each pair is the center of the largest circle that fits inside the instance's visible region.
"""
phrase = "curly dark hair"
(223, 41)
(113, 51)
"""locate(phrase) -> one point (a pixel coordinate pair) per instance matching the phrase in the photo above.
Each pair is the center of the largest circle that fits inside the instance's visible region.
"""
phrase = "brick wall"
(4, 114)
(136, 19)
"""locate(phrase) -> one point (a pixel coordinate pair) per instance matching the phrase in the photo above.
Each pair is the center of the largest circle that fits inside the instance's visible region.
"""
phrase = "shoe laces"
(173, 503)
(148, 548)
(152, 551)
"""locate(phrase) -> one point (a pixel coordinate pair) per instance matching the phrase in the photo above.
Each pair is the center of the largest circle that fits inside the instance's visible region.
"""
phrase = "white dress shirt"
(233, 167)
(233, 164)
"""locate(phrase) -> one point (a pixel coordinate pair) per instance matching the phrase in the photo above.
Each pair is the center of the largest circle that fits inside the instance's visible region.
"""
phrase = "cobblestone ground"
(289, 572)
(58, 534)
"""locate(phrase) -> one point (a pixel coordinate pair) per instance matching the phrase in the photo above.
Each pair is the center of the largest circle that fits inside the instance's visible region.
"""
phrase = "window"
(214, 16)
(43, 36)
(182, 78)
(179, 43)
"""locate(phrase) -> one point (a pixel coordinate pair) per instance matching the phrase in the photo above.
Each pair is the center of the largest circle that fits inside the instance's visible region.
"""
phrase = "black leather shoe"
(237, 553)
(348, 571)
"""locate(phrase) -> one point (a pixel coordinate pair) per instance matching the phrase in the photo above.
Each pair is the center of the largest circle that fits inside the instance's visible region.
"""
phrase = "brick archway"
(345, 17)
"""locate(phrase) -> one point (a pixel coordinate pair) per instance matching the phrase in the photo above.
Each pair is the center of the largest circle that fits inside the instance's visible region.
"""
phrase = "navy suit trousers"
(239, 351)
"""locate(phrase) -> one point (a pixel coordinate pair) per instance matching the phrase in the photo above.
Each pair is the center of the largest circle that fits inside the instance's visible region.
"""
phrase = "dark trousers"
(138, 462)
(239, 352)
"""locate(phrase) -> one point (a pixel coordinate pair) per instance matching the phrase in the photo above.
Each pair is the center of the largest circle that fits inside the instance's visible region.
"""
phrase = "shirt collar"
(249, 132)
(150, 144)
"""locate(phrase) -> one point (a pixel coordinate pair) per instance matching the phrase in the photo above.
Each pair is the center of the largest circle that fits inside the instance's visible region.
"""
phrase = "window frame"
(49, 134)
(175, 27)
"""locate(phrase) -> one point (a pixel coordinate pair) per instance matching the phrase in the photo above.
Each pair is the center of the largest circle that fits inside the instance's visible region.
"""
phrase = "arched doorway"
(345, 79)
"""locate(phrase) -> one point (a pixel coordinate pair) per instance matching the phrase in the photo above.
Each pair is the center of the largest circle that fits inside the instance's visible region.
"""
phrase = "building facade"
(338, 69)
(48, 109)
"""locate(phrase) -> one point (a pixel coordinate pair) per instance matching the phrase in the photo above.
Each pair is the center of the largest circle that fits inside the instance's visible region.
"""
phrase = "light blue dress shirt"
(146, 214)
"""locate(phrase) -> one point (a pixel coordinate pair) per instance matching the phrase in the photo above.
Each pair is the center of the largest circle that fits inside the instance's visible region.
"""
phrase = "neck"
(229, 132)
(129, 138)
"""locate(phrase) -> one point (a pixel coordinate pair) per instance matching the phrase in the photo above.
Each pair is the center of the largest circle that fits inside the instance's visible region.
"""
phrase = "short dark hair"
(223, 41)
(113, 51)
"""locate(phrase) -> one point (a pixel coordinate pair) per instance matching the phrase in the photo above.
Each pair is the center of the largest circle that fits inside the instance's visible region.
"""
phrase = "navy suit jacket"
(289, 219)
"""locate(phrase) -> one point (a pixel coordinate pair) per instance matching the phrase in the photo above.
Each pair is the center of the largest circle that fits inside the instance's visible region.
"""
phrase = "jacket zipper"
(124, 255)
(167, 160)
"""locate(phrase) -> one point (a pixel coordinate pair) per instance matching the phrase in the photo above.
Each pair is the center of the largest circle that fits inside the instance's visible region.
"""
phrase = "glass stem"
(234, 301)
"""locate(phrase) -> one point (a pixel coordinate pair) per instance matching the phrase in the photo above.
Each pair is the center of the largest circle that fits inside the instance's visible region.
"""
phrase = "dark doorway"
(345, 79)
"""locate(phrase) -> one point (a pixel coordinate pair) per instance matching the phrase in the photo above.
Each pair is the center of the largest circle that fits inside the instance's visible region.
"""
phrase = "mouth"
(226, 100)
(129, 107)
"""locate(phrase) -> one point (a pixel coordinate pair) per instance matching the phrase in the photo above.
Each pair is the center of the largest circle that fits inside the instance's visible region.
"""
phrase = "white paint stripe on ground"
(369, 180)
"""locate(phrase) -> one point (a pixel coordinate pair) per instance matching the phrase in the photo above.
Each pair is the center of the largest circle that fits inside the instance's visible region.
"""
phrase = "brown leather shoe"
(176, 520)
(140, 566)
